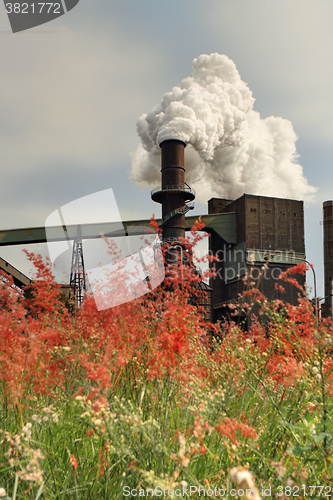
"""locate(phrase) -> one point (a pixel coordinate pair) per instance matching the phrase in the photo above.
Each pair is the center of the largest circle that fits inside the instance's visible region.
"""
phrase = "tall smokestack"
(174, 194)
(328, 257)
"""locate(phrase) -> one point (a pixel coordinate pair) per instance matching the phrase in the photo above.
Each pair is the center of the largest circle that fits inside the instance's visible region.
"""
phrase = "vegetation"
(137, 400)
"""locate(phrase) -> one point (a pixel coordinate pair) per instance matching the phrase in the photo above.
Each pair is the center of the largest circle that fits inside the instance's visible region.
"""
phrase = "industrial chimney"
(174, 194)
(328, 257)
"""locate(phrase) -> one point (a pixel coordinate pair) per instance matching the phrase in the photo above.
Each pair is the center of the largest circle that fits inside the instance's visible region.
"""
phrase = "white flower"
(244, 479)
(2, 492)
(280, 468)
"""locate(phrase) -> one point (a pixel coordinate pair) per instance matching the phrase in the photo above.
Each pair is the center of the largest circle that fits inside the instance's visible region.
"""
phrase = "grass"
(135, 399)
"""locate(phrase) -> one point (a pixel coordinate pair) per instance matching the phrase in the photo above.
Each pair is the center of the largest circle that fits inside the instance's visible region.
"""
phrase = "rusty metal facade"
(269, 231)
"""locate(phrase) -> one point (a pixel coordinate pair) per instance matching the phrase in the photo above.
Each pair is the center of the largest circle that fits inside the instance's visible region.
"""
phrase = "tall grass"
(104, 405)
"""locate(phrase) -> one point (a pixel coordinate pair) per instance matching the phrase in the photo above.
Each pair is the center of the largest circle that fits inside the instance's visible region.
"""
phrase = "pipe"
(315, 289)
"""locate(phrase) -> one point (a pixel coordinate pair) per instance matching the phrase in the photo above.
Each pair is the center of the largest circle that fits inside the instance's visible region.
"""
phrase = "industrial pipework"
(174, 194)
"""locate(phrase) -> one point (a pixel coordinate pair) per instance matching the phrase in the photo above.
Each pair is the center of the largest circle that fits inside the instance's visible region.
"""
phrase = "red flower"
(73, 461)
(230, 427)
(202, 450)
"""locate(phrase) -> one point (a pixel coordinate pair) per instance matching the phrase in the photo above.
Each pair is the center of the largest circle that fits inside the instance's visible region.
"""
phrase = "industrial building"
(268, 231)
(20, 280)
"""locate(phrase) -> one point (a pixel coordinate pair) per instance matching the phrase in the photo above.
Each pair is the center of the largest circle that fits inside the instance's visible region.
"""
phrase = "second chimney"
(328, 257)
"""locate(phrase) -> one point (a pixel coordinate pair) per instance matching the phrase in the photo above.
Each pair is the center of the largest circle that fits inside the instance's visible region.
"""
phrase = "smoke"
(230, 149)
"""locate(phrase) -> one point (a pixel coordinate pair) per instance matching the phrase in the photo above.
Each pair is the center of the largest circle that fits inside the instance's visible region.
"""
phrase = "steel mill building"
(268, 239)
(259, 235)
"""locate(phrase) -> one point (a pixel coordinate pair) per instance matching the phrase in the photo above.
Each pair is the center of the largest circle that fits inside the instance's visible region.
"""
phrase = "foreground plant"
(139, 396)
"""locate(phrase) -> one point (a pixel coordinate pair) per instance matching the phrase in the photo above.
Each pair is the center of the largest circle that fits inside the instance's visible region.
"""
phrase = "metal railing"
(225, 304)
(187, 189)
(176, 211)
(172, 239)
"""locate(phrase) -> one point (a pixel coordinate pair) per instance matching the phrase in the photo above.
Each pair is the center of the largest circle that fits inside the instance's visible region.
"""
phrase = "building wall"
(268, 230)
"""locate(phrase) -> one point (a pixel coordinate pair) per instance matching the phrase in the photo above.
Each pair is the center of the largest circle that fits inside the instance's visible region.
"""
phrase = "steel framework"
(78, 277)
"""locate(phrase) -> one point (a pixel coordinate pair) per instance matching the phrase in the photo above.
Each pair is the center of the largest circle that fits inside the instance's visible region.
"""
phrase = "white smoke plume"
(230, 149)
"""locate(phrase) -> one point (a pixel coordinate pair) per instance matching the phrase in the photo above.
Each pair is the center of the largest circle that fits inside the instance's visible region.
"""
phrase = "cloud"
(231, 149)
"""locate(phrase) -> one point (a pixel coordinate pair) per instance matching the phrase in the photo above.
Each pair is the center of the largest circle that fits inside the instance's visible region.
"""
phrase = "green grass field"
(138, 400)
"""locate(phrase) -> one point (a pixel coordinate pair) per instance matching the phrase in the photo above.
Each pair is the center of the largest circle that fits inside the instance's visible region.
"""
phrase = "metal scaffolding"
(78, 277)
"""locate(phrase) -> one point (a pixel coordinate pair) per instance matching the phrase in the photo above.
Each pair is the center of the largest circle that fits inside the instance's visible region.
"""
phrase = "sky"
(72, 91)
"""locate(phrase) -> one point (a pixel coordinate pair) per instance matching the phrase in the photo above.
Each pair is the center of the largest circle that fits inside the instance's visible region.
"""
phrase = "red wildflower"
(230, 427)
(73, 461)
